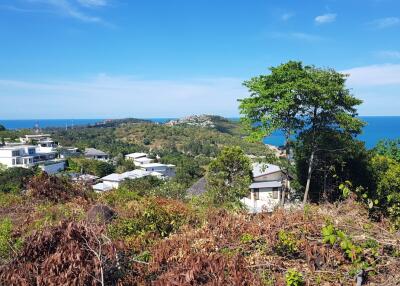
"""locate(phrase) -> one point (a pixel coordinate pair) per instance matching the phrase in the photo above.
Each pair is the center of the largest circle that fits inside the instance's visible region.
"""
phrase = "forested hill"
(209, 121)
(195, 135)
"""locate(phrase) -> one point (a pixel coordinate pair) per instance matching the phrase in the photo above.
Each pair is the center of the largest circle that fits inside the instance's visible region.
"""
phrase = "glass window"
(256, 194)
(275, 193)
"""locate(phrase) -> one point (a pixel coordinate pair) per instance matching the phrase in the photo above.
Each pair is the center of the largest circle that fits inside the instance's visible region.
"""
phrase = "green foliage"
(142, 186)
(188, 170)
(9, 199)
(305, 101)
(287, 244)
(294, 278)
(384, 196)
(229, 176)
(247, 238)
(170, 190)
(88, 166)
(12, 179)
(118, 196)
(156, 218)
(334, 236)
(7, 243)
(389, 148)
(2, 128)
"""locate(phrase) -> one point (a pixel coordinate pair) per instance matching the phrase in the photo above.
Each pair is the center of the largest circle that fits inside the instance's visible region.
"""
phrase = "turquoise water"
(377, 128)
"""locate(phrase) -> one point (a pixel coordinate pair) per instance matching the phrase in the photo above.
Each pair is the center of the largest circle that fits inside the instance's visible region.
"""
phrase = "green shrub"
(7, 243)
(287, 244)
(294, 278)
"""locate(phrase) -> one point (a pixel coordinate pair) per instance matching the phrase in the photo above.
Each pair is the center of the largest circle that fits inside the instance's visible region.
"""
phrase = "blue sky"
(119, 58)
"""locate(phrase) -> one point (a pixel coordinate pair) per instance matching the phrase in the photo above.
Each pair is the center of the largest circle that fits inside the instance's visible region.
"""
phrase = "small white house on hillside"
(167, 170)
(92, 153)
(266, 188)
(113, 181)
(139, 159)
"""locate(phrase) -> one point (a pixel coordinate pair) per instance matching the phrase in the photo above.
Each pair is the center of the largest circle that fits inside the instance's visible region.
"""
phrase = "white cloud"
(385, 22)
(286, 16)
(324, 19)
(62, 7)
(389, 54)
(120, 96)
(374, 75)
(92, 3)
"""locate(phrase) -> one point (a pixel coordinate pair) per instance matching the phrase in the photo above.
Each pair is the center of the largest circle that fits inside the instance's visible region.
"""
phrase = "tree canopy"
(229, 176)
(304, 101)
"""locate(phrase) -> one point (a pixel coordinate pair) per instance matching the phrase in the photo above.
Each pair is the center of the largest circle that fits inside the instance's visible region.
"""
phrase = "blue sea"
(377, 128)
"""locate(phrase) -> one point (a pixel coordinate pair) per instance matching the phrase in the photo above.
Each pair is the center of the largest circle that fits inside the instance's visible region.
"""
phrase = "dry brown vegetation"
(120, 238)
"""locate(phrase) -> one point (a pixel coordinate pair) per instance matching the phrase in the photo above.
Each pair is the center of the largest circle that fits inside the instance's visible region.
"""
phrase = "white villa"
(26, 156)
(139, 159)
(114, 180)
(167, 170)
(266, 188)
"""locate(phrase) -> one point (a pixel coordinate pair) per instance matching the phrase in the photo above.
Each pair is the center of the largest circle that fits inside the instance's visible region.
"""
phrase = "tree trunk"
(310, 165)
(284, 187)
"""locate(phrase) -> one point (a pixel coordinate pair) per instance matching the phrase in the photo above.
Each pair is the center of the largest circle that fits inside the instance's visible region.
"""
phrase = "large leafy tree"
(274, 103)
(303, 101)
(229, 176)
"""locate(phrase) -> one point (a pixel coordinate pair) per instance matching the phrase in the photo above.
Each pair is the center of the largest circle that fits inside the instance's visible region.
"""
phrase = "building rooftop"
(154, 165)
(270, 184)
(94, 152)
(135, 174)
(260, 169)
(143, 159)
(136, 155)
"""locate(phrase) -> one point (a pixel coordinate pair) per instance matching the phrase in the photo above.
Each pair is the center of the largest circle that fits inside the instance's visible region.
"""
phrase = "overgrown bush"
(51, 188)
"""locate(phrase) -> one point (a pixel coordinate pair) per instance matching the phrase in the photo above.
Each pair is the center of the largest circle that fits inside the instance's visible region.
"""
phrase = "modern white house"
(139, 159)
(27, 156)
(113, 181)
(134, 156)
(266, 188)
(167, 170)
(92, 153)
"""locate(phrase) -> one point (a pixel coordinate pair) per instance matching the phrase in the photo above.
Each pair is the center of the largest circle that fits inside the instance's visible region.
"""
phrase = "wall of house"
(53, 168)
(114, 185)
(267, 194)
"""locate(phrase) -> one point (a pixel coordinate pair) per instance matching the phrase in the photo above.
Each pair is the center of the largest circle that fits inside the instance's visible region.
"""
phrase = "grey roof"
(198, 188)
(270, 184)
(94, 152)
(260, 169)
(135, 174)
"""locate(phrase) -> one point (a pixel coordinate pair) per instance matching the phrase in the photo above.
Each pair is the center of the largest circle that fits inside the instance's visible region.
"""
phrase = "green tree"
(187, 171)
(2, 128)
(274, 104)
(229, 176)
(13, 179)
(315, 100)
(385, 196)
(389, 148)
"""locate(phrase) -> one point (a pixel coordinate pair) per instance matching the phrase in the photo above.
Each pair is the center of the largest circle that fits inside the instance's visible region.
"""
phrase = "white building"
(266, 188)
(113, 181)
(139, 159)
(167, 170)
(92, 153)
(27, 156)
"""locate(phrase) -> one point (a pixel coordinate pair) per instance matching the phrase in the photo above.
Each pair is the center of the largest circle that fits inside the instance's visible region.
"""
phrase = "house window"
(15, 153)
(275, 193)
(256, 193)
